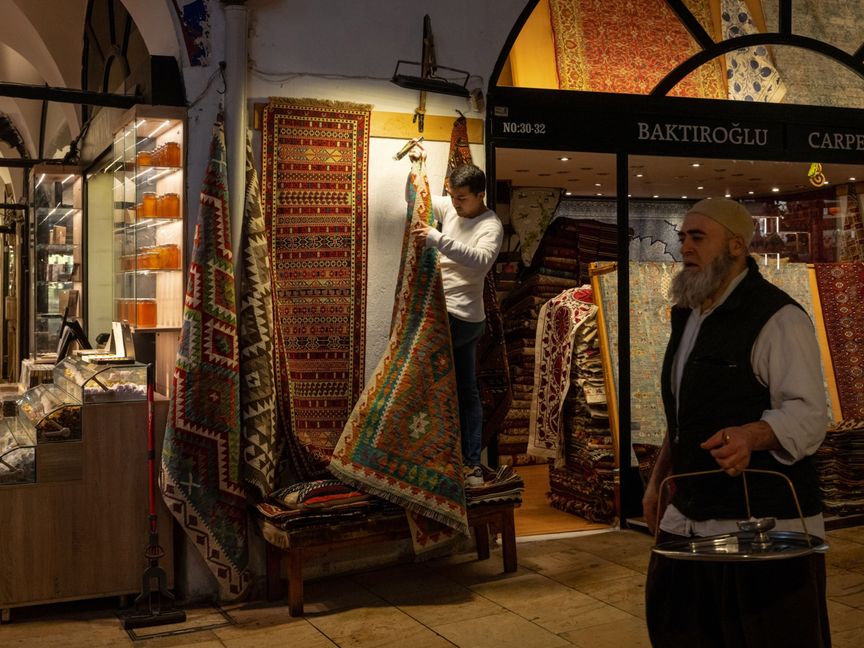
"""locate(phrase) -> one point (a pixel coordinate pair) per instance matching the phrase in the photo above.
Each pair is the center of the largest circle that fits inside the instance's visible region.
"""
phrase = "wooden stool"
(303, 544)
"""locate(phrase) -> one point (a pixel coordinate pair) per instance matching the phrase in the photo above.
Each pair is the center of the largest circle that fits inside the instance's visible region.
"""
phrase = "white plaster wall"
(346, 51)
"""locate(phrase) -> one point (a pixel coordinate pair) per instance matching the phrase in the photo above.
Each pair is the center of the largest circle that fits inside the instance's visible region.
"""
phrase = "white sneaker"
(474, 476)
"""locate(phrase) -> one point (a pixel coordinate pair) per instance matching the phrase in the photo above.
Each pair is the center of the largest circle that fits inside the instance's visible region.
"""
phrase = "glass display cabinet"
(93, 382)
(53, 414)
(17, 453)
(56, 235)
(148, 218)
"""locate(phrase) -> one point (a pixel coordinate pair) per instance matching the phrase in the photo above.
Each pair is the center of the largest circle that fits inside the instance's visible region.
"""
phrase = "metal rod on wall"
(235, 122)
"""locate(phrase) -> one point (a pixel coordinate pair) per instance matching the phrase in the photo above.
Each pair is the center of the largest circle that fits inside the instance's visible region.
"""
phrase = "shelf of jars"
(148, 219)
(55, 235)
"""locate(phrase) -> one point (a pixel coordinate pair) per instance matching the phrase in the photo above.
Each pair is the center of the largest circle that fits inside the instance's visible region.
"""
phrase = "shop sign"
(732, 133)
(827, 142)
(596, 129)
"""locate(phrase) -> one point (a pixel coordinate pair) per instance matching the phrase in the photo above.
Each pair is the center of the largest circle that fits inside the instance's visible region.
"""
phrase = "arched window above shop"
(808, 53)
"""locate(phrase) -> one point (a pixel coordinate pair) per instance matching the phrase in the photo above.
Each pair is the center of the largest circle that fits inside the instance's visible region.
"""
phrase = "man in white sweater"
(469, 239)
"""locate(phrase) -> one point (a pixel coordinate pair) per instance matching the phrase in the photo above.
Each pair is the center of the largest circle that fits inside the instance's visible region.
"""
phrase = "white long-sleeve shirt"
(785, 357)
(468, 247)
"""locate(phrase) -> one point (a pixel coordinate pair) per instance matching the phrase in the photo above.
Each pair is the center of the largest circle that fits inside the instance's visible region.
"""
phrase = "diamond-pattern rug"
(401, 441)
(201, 455)
(257, 385)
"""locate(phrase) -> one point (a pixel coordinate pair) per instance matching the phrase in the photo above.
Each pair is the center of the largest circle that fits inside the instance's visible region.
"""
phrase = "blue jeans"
(465, 336)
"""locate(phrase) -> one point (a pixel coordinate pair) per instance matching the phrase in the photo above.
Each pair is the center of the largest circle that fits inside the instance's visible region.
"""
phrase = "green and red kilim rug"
(201, 477)
(401, 441)
(262, 440)
(315, 161)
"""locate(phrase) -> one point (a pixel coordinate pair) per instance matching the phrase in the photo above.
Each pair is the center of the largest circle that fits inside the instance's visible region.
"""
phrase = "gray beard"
(691, 289)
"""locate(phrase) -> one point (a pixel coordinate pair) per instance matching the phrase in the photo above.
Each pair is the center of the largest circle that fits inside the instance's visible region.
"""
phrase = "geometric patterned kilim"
(401, 441)
(315, 161)
(201, 477)
(262, 445)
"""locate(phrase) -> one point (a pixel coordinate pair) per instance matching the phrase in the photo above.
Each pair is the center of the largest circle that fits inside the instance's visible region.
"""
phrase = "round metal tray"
(739, 547)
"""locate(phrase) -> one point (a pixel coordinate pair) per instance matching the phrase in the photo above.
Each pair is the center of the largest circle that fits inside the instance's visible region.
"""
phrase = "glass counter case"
(148, 218)
(17, 453)
(55, 236)
(92, 382)
(51, 412)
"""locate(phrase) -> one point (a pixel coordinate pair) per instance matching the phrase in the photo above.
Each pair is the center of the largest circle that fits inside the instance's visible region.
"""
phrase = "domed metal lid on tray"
(755, 540)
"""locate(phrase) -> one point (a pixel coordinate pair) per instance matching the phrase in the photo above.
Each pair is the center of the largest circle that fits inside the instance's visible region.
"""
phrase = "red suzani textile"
(314, 182)
(401, 441)
(628, 47)
(202, 460)
(493, 371)
(559, 321)
(841, 293)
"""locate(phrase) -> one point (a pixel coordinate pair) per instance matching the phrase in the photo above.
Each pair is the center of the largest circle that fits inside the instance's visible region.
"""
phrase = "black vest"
(718, 390)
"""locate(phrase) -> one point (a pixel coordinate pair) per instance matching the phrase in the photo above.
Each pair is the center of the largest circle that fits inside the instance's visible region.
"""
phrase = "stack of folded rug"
(840, 464)
(503, 485)
(321, 501)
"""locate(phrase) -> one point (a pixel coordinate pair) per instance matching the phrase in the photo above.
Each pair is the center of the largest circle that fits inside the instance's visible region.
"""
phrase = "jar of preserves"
(144, 159)
(171, 205)
(146, 313)
(148, 205)
(172, 154)
(167, 257)
(147, 258)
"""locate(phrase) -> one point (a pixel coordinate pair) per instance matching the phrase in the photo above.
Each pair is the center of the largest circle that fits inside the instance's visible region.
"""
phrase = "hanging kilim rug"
(841, 293)
(201, 456)
(314, 183)
(560, 320)
(493, 370)
(262, 445)
(401, 441)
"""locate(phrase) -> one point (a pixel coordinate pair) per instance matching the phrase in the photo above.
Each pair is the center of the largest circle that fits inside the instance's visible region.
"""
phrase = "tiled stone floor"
(585, 591)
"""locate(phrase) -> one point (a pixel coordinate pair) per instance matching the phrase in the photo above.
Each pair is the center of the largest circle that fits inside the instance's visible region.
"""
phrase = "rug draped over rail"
(202, 461)
(315, 162)
(401, 441)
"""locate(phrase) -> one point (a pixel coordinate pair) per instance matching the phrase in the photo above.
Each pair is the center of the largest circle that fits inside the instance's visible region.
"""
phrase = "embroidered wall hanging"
(603, 46)
(201, 455)
(560, 320)
(262, 444)
(401, 441)
(315, 186)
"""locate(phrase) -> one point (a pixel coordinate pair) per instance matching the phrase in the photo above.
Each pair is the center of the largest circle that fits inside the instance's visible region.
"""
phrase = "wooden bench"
(302, 544)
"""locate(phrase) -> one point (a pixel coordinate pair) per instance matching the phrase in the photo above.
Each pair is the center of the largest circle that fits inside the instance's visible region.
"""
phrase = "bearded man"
(742, 388)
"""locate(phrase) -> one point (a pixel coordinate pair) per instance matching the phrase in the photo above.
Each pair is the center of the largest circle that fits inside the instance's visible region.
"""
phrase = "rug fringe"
(320, 103)
(459, 526)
